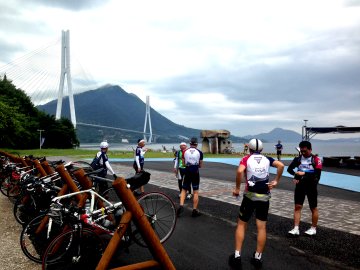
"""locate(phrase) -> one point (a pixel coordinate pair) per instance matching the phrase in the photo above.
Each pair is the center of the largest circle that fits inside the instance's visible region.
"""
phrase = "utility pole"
(40, 130)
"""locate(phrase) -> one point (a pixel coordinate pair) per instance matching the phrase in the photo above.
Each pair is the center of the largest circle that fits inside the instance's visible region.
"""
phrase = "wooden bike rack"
(134, 212)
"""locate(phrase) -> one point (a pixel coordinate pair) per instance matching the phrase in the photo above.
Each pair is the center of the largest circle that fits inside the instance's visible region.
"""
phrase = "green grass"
(82, 153)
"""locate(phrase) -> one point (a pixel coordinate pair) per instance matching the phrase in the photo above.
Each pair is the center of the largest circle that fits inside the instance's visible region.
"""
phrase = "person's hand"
(272, 184)
(295, 181)
(236, 192)
(300, 173)
(115, 176)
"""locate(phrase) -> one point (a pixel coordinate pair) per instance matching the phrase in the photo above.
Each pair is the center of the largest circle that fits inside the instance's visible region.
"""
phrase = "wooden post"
(47, 167)
(147, 232)
(39, 168)
(68, 180)
(115, 241)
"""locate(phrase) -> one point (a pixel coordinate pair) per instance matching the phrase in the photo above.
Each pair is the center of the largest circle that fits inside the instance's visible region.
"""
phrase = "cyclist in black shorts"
(193, 160)
(255, 167)
(306, 179)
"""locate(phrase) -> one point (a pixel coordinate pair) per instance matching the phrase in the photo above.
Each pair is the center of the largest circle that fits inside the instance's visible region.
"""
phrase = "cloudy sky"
(245, 66)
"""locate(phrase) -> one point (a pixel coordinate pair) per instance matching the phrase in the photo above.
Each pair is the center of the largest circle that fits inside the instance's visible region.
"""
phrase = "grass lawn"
(82, 153)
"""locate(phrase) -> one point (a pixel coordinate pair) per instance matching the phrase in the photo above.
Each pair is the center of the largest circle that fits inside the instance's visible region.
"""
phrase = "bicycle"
(35, 196)
(66, 250)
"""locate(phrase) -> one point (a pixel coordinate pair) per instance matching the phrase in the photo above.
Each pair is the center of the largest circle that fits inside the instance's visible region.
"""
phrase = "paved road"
(206, 242)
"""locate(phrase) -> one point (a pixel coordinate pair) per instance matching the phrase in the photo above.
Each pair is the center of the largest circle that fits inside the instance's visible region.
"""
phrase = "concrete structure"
(216, 141)
(65, 73)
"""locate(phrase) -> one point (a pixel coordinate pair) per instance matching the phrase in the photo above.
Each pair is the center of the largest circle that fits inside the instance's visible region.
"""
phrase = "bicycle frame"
(110, 206)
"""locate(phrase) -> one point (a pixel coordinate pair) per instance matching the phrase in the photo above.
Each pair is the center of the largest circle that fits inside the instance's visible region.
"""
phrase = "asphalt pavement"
(205, 242)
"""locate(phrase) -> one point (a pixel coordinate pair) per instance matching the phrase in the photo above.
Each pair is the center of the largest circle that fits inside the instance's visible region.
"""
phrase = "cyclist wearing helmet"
(255, 168)
(139, 161)
(104, 163)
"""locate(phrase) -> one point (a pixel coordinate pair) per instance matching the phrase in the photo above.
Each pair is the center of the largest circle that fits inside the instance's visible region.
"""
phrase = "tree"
(20, 121)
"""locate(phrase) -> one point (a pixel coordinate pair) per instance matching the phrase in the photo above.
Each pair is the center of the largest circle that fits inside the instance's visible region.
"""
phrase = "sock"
(296, 227)
(257, 255)
(237, 253)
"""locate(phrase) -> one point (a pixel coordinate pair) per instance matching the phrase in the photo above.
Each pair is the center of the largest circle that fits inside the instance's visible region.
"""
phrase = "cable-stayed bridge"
(42, 78)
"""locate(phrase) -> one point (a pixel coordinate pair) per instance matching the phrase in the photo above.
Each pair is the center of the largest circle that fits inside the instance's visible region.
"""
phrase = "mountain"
(112, 106)
(277, 134)
(285, 135)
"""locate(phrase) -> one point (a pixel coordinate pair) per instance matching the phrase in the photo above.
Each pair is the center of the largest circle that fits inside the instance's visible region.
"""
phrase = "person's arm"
(108, 166)
(176, 164)
(239, 176)
(318, 167)
(201, 160)
(137, 160)
(292, 166)
(279, 171)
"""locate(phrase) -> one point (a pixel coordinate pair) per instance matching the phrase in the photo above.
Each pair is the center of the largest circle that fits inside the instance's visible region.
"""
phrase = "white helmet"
(255, 145)
(104, 144)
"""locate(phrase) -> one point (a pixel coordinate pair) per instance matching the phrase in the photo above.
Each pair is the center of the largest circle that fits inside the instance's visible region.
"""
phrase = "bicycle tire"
(13, 190)
(4, 185)
(9, 187)
(34, 244)
(161, 213)
(23, 213)
(69, 251)
(110, 195)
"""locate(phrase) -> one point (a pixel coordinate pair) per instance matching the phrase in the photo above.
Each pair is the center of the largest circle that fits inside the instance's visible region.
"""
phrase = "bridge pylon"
(65, 72)
(147, 116)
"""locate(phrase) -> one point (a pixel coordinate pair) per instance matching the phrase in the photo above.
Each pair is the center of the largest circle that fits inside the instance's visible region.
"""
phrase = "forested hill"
(20, 122)
(113, 106)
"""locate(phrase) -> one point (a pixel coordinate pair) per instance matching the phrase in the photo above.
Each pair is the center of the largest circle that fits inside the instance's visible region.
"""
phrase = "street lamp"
(40, 130)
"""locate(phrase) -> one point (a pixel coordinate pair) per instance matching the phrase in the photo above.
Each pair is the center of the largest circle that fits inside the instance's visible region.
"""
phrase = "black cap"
(193, 141)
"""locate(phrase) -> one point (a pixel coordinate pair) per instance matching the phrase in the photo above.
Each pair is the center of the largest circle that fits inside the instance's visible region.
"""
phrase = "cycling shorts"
(248, 206)
(308, 189)
(191, 179)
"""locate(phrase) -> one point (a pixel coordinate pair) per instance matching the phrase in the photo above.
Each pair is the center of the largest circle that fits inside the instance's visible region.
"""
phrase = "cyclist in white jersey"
(255, 167)
(193, 160)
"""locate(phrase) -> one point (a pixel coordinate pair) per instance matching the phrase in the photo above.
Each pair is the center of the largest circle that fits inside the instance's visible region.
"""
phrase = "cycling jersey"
(311, 166)
(178, 162)
(139, 157)
(192, 157)
(104, 162)
(257, 176)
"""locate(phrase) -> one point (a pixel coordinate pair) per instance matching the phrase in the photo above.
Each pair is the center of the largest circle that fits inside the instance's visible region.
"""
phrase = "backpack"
(95, 164)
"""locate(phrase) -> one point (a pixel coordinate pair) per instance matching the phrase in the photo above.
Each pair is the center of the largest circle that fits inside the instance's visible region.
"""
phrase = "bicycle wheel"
(111, 195)
(34, 244)
(13, 187)
(9, 187)
(24, 212)
(74, 250)
(161, 213)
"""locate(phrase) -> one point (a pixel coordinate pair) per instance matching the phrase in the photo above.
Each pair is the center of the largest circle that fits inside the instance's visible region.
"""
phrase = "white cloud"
(273, 63)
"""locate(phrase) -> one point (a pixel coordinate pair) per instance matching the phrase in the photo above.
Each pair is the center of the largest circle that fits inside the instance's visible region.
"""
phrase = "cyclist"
(255, 168)
(179, 168)
(103, 161)
(139, 161)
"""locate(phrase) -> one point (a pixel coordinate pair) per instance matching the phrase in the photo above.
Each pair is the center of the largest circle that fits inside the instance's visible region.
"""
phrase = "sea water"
(323, 149)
